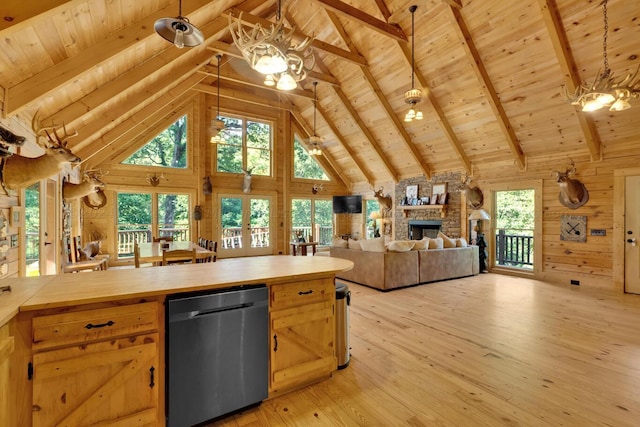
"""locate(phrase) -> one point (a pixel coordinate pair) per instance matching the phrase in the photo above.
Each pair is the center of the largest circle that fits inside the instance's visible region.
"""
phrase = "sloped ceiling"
(491, 74)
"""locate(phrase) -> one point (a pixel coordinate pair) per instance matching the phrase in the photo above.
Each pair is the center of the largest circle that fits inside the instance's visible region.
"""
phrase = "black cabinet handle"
(275, 341)
(309, 292)
(100, 325)
(152, 382)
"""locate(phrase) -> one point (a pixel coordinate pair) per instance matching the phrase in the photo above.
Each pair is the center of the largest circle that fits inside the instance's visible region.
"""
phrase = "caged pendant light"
(179, 30)
(413, 95)
(315, 140)
(217, 125)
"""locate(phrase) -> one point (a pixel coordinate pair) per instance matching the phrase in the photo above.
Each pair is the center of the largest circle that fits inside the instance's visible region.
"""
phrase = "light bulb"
(592, 105)
(263, 65)
(269, 81)
(286, 82)
(605, 98)
(178, 41)
(419, 115)
(620, 105)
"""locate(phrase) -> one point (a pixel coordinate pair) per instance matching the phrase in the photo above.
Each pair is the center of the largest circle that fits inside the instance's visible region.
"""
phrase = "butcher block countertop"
(119, 284)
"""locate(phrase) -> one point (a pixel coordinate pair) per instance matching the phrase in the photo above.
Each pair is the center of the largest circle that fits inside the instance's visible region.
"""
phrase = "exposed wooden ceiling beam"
(476, 63)
(54, 77)
(325, 159)
(103, 147)
(440, 116)
(249, 19)
(245, 96)
(369, 21)
(386, 106)
(454, 3)
(146, 94)
(15, 13)
(555, 28)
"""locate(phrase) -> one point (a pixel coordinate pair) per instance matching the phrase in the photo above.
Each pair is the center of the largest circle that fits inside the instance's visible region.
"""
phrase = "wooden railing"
(126, 238)
(232, 237)
(514, 249)
(323, 233)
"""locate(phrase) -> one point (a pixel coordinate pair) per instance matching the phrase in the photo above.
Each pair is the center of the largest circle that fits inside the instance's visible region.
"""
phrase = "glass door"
(245, 225)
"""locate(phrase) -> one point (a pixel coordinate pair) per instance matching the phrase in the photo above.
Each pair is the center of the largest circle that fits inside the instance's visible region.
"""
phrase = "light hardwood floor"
(491, 350)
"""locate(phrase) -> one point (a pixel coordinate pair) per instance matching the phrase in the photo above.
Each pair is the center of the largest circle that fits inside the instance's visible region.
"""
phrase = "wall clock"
(573, 228)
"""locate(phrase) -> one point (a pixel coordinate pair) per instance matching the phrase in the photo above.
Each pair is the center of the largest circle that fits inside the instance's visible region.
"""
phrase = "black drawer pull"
(99, 325)
(275, 340)
(5, 289)
(309, 292)
(152, 377)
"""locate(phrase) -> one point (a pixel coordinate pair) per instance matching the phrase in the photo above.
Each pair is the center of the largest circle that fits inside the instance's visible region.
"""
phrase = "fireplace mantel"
(441, 208)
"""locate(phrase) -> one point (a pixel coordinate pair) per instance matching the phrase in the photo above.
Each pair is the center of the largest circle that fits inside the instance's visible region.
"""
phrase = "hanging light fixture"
(413, 95)
(315, 140)
(179, 30)
(605, 91)
(270, 52)
(217, 125)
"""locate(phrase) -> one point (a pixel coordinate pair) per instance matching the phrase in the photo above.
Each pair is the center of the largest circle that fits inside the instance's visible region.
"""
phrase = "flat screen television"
(347, 204)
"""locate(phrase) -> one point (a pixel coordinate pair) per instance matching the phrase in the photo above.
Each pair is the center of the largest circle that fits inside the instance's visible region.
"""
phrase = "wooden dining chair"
(179, 256)
(165, 238)
(136, 255)
(213, 247)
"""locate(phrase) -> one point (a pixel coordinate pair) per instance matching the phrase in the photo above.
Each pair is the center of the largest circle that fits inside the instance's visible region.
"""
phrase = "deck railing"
(232, 237)
(142, 234)
(323, 233)
(514, 248)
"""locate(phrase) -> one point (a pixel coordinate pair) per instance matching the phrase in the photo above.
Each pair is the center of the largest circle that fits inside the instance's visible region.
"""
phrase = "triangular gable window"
(304, 165)
(168, 149)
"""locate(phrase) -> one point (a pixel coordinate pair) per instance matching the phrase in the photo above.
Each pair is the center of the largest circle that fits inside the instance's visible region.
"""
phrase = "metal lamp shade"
(166, 28)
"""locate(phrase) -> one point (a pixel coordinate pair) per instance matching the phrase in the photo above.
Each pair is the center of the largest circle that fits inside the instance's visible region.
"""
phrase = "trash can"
(343, 301)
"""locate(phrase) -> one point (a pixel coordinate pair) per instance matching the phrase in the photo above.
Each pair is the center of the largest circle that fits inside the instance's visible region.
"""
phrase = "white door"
(245, 224)
(632, 235)
(50, 230)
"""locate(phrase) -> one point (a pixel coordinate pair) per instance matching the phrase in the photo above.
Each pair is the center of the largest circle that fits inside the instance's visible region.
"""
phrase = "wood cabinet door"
(302, 345)
(6, 348)
(111, 382)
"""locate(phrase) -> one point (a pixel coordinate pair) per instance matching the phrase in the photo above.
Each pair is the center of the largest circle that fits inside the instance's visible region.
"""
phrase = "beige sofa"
(391, 270)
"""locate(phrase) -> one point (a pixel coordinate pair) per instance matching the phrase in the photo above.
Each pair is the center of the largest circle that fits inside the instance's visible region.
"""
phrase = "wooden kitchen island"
(85, 348)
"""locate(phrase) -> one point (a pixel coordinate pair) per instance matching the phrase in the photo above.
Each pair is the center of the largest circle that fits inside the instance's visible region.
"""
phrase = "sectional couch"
(390, 270)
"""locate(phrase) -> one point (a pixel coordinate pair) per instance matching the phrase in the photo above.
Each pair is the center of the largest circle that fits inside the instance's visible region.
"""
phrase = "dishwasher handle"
(217, 310)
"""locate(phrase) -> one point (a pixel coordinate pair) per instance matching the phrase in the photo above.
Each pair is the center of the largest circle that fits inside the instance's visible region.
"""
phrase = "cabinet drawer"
(90, 325)
(307, 292)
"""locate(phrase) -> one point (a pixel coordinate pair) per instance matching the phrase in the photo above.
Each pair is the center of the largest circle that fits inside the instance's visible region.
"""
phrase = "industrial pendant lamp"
(413, 95)
(179, 30)
(271, 52)
(315, 140)
(605, 91)
(217, 125)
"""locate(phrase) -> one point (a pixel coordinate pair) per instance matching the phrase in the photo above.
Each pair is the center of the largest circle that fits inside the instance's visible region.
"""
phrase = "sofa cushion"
(400, 245)
(447, 241)
(421, 245)
(354, 244)
(373, 245)
(339, 242)
(436, 243)
(461, 242)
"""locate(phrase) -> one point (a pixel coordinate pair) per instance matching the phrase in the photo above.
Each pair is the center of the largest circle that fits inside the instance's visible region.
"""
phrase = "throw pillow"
(373, 245)
(447, 241)
(339, 243)
(461, 242)
(355, 245)
(400, 245)
(421, 245)
(436, 243)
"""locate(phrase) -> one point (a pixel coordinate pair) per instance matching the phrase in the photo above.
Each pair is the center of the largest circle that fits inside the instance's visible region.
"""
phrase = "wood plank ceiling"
(491, 74)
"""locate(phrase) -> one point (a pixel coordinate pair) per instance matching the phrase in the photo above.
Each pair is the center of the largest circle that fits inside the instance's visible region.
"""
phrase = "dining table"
(152, 251)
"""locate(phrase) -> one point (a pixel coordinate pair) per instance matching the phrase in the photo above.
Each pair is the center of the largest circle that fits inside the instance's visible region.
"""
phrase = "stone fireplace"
(419, 228)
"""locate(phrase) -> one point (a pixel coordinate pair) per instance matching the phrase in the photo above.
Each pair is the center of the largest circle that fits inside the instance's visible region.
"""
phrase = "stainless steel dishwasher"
(217, 353)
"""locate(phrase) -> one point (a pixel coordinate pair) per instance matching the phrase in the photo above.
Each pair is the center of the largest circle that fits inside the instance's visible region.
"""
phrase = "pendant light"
(413, 96)
(217, 125)
(315, 140)
(179, 30)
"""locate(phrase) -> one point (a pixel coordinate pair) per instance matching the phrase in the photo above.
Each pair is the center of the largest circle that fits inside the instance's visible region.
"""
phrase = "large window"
(304, 165)
(141, 216)
(168, 149)
(373, 218)
(313, 220)
(247, 144)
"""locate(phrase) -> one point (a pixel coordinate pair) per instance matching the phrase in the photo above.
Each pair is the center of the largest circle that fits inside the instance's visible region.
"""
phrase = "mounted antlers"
(474, 196)
(91, 183)
(573, 193)
(386, 202)
(20, 172)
